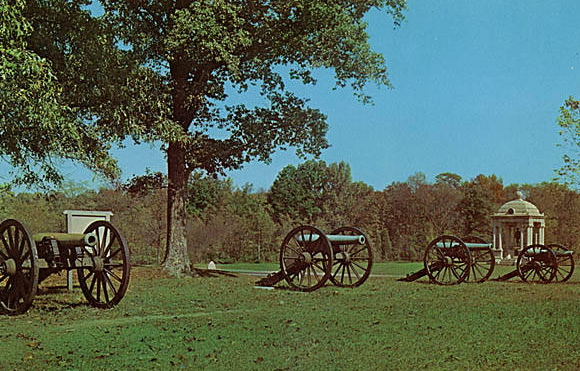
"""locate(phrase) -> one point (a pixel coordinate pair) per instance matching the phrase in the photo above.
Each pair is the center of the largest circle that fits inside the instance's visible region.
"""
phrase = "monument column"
(499, 242)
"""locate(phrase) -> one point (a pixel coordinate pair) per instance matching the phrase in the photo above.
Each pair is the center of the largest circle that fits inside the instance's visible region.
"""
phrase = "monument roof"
(518, 207)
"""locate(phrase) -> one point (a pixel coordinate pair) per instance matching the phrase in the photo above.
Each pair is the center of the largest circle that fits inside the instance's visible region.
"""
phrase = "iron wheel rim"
(19, 268)
(447, 260)
(105, 284)
(360, 260)
(536, 264)
(299, 273)
(482, 261)
(565, 267)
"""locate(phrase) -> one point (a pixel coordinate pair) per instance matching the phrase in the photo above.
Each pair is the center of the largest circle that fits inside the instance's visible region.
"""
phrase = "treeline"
(228, 223)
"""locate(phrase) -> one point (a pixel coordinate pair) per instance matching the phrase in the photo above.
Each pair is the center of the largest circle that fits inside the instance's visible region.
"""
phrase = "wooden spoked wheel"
(306, 258)
(18, 268)
(565, 260)
(352, 262)
(482, 260)
(104, 282)
(447, 260)
(537, 263)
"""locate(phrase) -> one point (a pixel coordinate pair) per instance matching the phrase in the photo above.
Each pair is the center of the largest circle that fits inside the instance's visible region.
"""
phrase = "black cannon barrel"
(335, 239)
(68, 239)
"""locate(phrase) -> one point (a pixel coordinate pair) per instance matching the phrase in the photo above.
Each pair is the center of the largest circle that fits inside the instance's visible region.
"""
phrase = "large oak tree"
(166, 72)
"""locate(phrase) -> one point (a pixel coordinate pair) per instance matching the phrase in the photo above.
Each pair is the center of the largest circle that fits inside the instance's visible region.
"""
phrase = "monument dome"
(519, 207)
(518, 223)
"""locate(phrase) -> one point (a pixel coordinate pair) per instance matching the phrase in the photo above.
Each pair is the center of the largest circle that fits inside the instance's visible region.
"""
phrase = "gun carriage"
(309, 258)
(451, 260)
(99, 255)
(543, 264)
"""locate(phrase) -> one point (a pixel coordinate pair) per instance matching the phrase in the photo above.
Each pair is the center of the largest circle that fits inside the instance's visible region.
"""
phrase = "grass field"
(224, 323)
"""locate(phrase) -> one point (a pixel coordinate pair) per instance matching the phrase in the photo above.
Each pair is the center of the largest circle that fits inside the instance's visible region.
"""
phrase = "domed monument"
(517, 224)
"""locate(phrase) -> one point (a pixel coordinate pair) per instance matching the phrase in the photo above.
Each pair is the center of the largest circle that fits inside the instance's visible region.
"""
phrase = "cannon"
(539, 263)
(309, 258)
(450, 260)
(99, 255)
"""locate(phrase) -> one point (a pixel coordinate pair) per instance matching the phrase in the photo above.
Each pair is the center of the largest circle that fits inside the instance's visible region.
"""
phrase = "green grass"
(225, 323)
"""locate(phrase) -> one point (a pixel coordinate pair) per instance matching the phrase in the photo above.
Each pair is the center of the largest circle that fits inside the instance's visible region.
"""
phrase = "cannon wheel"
(306, 261)
(482, 261)
(105, 283)
(537, 263)
(353, 266)
(18, 268)
(565, 263)
(447, 260)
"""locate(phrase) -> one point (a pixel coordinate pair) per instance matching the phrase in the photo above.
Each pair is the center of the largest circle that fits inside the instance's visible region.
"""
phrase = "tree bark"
(177, 261)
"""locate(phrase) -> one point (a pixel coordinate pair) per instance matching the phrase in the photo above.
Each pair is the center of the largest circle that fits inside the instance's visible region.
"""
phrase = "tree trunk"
(177, 262)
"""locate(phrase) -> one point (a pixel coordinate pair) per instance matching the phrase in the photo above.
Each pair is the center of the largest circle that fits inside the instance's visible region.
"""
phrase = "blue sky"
(477, 90)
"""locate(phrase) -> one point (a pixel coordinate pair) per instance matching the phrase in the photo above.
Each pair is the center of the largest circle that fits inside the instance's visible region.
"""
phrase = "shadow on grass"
(199, 272)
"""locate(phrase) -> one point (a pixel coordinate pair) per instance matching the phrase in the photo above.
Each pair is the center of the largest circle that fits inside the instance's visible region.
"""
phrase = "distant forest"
(228, 223)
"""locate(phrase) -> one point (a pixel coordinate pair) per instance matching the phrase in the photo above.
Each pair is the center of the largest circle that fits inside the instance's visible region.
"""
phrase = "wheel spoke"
(318, 266)
(301, 277)
(92, 286)
(337, 269)
(361, 267)
(98, 286)
(114, 275)
(359, 250)
(476, 270)
(89, 274)
(105, 292)
(7, 246)
(16, 240)
(348, 272)
(97, 246)
(438, 273)
(565, 269)
(291, 258)
(13, 252)
(107, 249)
(444, 274)
(358, 277)
(291, 248)
(316, 275)
(304, 242)
(26, 257)
(7, 289)
(110, 283)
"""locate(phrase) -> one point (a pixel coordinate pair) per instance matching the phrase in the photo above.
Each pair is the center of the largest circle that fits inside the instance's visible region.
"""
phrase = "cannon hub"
(8, 267)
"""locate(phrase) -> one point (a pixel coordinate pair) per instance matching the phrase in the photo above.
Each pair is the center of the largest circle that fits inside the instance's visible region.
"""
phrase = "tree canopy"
(569, 123)
(36, 124)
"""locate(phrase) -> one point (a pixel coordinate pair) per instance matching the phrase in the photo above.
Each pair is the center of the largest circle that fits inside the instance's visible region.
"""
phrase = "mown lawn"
(224, 323)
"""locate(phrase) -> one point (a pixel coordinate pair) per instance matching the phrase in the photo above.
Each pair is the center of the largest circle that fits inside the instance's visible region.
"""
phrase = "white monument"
(517, 224)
